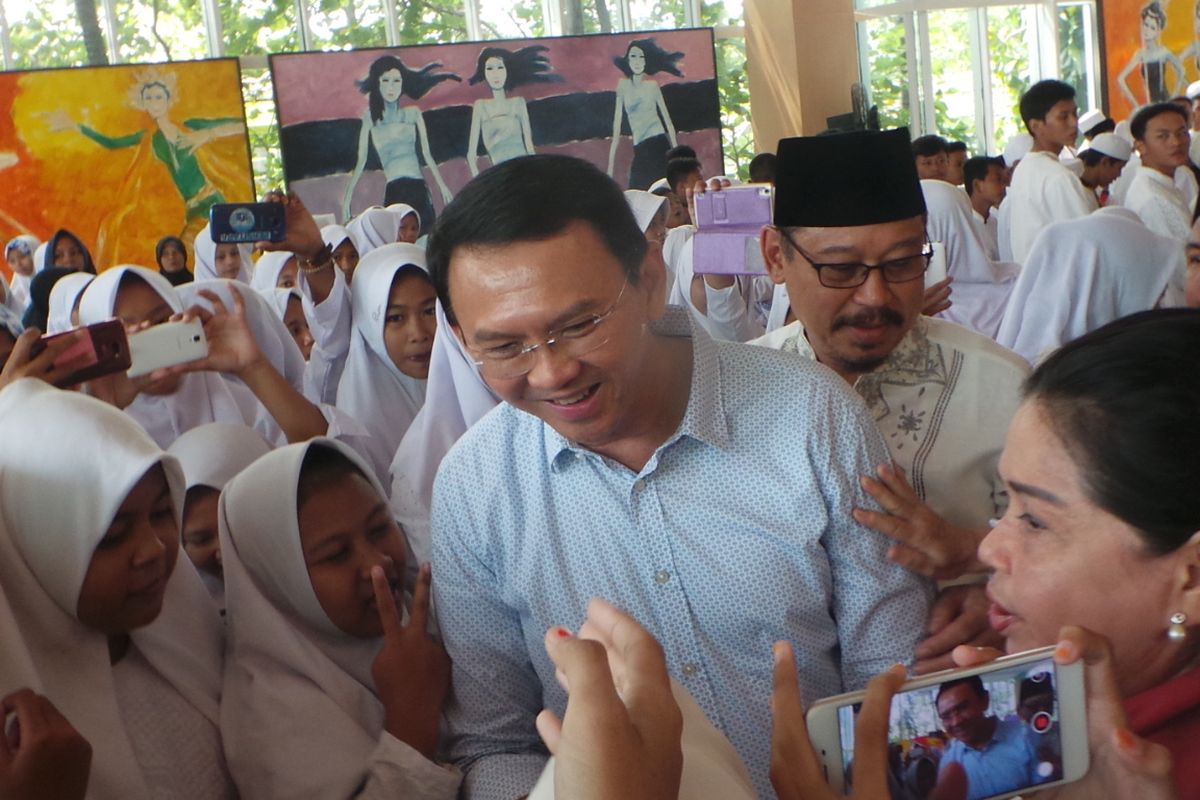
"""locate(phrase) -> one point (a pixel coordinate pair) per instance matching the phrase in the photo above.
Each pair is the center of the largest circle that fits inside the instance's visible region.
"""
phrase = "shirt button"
(662, 576)
(689, 670)
(639, 484)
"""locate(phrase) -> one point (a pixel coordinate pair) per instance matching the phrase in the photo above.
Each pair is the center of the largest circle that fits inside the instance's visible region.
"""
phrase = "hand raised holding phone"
(412, 670)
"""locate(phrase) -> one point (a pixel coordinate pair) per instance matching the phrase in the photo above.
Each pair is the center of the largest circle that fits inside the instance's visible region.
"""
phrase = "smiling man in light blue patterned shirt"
(706, 487)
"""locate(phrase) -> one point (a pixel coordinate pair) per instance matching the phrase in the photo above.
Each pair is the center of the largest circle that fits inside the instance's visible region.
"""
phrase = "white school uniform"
(1160, 204)
(1043, 191)
(67, 465)
(301, 717)
(1086, 273)
(981, 286)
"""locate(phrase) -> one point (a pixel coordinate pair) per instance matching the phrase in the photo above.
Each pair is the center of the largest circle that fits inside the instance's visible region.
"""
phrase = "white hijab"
(28, 245)
(67, 464)
(202, 397)
(212, 454)
(334, 235)
(373, 228)
(373, 390)
(981, 286)
(62, 300)
(280, 299)
(290, 669)
(644, 205)
(402, 210)
(39, 258)
(10, 322)
(269, 331)
(456, 397)
(266, 271)
(1083, 274)
(205, 250)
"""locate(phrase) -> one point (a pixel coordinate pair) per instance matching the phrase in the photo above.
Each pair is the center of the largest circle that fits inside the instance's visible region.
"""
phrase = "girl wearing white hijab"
(214, 260)
(64, 301)
(981, 286)
(168, 407)
(408, 223)
(456, 397)
(1083, 274)
(289, 306)
(383, 385)
(19, 253)
(121, 634)
(345, 254)
(374, 227)
(320, 665)
(276, 269)
(210, 456)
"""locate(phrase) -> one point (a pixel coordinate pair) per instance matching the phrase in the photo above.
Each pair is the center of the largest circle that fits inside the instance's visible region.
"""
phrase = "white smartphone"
(166, 345)
(988, 732)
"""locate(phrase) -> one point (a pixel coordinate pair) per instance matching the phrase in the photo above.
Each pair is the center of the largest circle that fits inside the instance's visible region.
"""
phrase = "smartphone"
(728, 224)
(105, 350)
(166, 345)
(231, 223)
(994, 731)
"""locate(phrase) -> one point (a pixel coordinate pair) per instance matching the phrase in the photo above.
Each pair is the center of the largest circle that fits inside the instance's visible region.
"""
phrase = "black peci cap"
(845, 180)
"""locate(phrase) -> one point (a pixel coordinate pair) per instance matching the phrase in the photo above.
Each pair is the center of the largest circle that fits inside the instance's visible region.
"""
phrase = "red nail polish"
(562, 633)
(1125, 739)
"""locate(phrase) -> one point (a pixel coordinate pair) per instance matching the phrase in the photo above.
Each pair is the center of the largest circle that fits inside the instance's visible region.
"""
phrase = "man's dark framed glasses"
(851, 275)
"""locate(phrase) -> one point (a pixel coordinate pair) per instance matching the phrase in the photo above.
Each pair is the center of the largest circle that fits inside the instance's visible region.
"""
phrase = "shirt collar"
(704, 419)
(1156, 176)
(915, 360)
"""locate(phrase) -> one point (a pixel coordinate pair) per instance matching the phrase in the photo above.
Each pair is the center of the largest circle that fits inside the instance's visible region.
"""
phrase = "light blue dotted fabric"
(736, 533)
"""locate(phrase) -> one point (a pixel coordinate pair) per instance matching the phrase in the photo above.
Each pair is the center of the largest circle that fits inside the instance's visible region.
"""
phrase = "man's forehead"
(882, 236)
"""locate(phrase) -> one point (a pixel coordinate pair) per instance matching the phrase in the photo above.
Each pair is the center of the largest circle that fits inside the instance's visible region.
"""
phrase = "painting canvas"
(414, 124)
(121, 155)
(1152, 51)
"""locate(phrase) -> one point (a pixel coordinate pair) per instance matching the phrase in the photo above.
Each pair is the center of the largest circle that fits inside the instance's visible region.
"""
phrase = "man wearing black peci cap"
(849, 243)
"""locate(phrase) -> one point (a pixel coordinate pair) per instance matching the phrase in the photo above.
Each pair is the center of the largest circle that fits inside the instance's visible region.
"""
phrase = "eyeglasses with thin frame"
(512, 360)
(851, 275)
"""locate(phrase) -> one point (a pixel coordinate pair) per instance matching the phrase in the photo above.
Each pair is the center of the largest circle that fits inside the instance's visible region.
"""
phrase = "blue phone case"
(240, 223)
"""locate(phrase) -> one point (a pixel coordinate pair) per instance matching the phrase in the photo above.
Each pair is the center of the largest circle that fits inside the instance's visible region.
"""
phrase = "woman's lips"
(1000, 618)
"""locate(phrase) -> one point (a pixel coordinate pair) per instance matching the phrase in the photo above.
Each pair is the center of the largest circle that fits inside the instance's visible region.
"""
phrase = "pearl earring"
(1177, 632)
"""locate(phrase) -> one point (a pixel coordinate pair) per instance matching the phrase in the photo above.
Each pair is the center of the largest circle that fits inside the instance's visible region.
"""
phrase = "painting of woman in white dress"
(502, 121)
(397, 131)
(640, 99)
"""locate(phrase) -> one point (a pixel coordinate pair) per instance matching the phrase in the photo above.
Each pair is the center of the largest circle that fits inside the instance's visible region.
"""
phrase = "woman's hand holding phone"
(25, 362)
(796, 769)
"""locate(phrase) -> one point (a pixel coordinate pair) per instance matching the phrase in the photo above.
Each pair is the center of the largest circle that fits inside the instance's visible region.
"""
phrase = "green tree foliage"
(1008, 36)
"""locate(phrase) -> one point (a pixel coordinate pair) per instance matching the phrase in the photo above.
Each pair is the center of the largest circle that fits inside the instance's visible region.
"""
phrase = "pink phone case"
(728, 226)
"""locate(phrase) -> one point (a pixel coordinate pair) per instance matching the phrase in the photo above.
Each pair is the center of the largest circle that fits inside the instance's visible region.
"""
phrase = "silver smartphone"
(166, 345)
(985, 733)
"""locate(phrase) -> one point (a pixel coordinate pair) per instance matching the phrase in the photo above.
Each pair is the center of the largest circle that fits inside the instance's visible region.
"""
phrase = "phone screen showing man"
(970, 738)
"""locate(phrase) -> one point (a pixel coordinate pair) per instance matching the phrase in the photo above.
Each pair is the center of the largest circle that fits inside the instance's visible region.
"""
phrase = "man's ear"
(771, 243)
